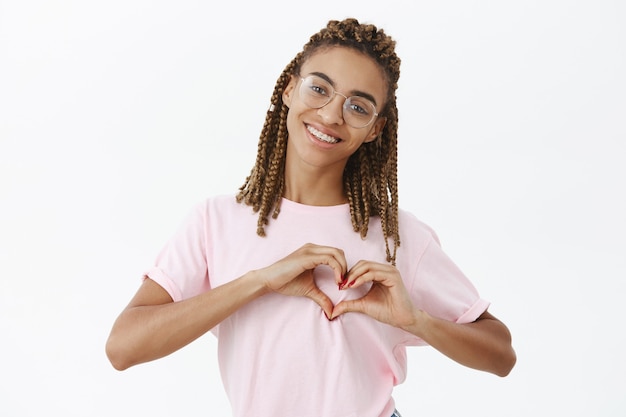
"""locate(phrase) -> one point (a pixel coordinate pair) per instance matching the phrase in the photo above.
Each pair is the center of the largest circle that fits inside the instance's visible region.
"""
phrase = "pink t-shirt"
(279, 355)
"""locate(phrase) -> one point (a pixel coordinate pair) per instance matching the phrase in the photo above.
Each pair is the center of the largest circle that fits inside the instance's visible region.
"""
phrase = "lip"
(324, 130)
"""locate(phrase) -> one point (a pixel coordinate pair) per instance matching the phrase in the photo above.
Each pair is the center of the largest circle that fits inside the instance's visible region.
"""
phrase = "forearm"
(144, 332)
(484, 344)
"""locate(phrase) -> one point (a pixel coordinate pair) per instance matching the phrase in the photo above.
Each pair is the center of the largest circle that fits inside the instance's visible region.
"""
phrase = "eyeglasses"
(316, 92)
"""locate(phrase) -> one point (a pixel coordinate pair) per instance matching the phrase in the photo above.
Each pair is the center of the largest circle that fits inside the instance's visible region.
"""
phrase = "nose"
(332, 112)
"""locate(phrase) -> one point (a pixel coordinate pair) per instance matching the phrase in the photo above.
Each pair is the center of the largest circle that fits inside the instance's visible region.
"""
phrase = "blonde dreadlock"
(370, 177)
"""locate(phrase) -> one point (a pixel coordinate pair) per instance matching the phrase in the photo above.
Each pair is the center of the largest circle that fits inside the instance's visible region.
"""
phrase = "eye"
(318, 89)
(358, 107)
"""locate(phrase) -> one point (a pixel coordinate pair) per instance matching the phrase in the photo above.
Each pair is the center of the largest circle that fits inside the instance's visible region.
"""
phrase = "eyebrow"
(352, 93)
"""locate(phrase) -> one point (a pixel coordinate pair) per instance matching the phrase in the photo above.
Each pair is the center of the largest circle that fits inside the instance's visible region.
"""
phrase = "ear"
(379, 124)
(289, 91)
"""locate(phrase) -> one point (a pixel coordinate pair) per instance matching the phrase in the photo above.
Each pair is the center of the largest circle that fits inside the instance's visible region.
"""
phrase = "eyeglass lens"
(316, 92)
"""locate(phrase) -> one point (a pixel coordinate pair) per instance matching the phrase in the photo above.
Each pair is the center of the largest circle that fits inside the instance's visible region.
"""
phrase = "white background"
(117, 117)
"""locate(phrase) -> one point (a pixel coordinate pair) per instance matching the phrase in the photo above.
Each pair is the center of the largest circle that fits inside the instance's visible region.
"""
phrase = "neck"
(314, 187)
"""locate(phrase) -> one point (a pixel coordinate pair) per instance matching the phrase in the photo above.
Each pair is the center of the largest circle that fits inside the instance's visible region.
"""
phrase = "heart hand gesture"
(293, 275)
(387, 301)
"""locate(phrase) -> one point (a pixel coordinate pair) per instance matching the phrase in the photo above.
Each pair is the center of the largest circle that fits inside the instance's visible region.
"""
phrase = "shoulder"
(219, 201)
(411, 227)
(220, 204)
(215, 210)
(223, 212)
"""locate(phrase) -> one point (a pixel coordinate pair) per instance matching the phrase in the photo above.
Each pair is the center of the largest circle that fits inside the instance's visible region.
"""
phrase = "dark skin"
(152, 326)
(320, 143)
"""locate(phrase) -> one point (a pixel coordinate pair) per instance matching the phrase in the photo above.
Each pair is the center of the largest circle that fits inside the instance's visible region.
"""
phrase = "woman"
(311, 277)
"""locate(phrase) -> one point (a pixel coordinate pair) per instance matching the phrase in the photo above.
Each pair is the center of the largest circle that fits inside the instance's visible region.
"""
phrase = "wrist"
(418, 323)
(259, 285)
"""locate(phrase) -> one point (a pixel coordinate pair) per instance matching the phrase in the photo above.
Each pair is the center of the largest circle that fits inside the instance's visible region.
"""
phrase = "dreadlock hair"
(370, 177)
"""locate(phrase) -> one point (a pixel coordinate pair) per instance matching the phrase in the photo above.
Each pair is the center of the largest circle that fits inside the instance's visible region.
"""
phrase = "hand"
(387, 301)
(293, 275)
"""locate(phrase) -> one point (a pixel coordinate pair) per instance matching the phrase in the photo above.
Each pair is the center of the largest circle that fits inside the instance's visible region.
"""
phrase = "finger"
(322, 300)
(347, 306)
(340, 265)
(359, 274)
(367, 271)
(335, 259)
(340, 269)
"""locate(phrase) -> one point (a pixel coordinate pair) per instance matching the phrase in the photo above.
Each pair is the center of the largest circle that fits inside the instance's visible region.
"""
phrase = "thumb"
(322, 300)
(347, 306)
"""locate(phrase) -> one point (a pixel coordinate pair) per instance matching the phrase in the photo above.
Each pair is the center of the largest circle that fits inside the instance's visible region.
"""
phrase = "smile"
(322, 136)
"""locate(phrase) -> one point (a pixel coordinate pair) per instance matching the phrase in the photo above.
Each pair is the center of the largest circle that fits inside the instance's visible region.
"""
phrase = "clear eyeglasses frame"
(316, 92)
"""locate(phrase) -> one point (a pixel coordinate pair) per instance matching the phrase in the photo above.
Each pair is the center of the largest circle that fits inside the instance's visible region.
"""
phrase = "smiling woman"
(323, 137)
(314, 308)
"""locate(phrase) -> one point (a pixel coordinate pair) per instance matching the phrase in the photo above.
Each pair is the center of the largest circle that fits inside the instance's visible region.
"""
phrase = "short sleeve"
(181, 265)
(442, 290)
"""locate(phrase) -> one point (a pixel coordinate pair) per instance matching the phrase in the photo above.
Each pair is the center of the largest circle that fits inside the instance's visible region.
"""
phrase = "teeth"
(322, 136)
